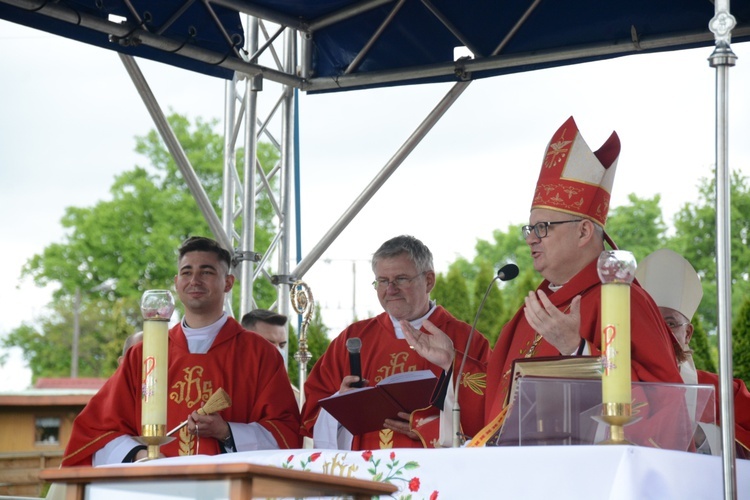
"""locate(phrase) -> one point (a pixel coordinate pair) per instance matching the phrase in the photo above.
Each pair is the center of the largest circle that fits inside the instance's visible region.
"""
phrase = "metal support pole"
(722, 59)
(372, 188)
(247, 240)
(228, 174)
(287, 180)
(175, 148)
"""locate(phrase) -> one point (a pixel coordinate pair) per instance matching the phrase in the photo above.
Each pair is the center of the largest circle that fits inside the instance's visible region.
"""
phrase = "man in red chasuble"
(562, 316)
(404, 277)
(208, 350)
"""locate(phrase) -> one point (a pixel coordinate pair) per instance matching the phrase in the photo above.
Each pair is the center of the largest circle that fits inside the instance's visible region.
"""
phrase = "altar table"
(597, 472)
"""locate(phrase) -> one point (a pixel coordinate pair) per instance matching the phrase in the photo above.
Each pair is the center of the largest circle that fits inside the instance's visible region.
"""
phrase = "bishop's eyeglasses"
(398, 282)
(540, 228)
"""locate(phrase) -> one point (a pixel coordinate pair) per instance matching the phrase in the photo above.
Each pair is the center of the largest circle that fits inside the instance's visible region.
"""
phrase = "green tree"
(439, 291)
(638, 227)
(702, 355)
(509, 246)
(741, 342)
(695, 239)
(131, 238)
(492, 316)
(49, 353)
(463, 295)
(452, 292)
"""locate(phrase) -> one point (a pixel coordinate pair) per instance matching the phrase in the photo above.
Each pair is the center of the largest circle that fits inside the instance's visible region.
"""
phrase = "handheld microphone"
(354, 345)
(506, 273)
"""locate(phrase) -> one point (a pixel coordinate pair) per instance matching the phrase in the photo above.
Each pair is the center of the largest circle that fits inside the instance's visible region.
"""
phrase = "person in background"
(562, 316)
(676, 288)
(133, 339)
(404, 277)
(208, 350)
(270, 325)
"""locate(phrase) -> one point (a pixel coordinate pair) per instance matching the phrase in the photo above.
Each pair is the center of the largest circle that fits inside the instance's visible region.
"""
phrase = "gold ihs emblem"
(397, 365)
(192, 390)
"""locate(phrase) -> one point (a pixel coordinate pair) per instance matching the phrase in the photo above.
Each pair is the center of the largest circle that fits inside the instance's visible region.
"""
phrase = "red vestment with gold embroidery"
(244, 364)
(383, 355)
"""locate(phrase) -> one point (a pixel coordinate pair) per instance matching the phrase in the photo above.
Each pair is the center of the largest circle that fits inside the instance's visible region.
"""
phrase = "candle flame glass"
(157, 305)
(616, 266)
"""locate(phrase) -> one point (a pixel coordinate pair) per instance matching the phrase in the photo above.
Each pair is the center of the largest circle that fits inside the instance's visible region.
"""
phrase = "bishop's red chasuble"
(652, 353)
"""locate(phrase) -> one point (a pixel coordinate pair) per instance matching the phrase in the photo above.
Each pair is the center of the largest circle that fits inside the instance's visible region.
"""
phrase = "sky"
(70, 115)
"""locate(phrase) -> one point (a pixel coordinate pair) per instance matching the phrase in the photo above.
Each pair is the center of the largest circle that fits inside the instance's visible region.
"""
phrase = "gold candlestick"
(157, 307)
(616, 270)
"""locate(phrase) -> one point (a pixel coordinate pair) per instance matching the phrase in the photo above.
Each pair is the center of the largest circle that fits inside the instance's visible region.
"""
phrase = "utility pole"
(76, 333)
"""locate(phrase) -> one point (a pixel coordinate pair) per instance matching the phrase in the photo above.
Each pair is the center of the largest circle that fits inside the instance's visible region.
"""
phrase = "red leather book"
(365, 409)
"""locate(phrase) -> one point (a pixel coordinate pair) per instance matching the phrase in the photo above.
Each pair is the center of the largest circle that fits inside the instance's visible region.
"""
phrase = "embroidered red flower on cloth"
(393, 455)
(414, 484)
(315, 456)
(367, 455)
(434, 495)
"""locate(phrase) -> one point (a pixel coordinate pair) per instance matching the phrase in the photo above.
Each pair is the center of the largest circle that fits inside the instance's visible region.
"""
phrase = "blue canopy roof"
(360, 44)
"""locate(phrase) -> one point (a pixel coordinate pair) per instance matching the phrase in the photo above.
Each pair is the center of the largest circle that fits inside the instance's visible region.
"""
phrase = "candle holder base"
(153, 443)
(617, 416)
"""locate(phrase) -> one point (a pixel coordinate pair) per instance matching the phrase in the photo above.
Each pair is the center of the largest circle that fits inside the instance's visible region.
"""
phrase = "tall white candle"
(616, 270)
(157, 307)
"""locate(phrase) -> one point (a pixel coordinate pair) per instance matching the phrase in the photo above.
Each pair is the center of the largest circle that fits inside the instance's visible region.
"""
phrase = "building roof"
(54, 392)
(70, 383)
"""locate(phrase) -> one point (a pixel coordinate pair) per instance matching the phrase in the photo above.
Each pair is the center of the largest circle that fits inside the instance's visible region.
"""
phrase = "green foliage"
(638, 227)
(702, 355)
(133, 239)
(695, 239)
(741, 342)
(440, 290)
(462, 290)
(49, 354)
(453, 290)
(492, 317)
(510, 246)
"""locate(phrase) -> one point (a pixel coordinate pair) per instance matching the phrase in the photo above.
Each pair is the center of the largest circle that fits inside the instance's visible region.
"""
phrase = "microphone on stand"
(506, 273)
(354, 345)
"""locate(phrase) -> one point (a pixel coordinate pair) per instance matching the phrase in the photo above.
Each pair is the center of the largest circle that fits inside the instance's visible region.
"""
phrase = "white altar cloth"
(536, 472)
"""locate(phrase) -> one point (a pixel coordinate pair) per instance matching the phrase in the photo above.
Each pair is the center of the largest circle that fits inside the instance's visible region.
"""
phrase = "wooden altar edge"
(246, 480)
